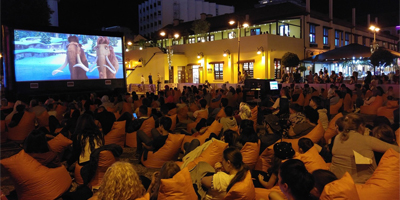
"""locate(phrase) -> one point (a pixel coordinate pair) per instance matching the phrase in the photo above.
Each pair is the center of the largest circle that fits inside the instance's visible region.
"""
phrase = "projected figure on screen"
(106, 60)
(76, 59)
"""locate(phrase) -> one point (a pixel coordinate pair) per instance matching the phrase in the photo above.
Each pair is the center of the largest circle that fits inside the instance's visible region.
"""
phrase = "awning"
(344, 53)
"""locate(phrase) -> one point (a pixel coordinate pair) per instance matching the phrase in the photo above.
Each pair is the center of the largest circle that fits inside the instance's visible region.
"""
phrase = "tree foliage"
(25, 13)
(381, 57)
(200, 27)
(290, 60)
(45, 38)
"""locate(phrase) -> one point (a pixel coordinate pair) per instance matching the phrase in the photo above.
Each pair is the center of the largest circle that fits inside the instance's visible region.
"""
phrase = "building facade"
(287, 28)
(155, 14)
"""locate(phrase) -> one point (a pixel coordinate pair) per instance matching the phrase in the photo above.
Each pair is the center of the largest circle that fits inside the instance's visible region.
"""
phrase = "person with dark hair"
(17, 116)
(316, 104)
(216, 113)
(36, 108)
(105, 118)
(282, 151)
(221, 182)
(368, 78)
(305, 144)
(335, 98)
(321, 178)
(247, 133)
(294, 181)
(229, 121)
(351, 140)
(203, 104)
(168, 170)
(281, 105)
(159, 136)
(137, 123)
(385, 133)
(36, 146)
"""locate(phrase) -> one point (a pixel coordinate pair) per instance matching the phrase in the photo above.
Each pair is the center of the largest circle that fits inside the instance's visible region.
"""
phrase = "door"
(196, 75)
(189, 75)
(171, 75)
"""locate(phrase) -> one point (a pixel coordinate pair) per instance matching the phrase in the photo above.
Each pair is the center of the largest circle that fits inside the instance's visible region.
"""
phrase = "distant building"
(155, 14)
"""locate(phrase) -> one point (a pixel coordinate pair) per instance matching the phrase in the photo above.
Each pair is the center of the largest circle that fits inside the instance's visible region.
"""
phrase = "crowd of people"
(88, 119)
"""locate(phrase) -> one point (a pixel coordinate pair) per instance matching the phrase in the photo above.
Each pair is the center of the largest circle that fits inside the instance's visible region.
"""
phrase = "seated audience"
(321, 178)
(168, 170)
(229, 121)
(385, 133)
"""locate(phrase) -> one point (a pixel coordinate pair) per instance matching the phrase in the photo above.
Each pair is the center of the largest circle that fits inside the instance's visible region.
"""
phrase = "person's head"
(315, 102)
(233, 161)
(121, 182)
(294, 180)
(333, 72)
(283, 150)
(182, 99)
(284, 92)
(86, 129)
(33, 103)
(224, 102)
(311, 115)
(340, 73)
(379, 120)
(385, 133)
(20, 108)
(339, 126)
(228, 111)
(321, 178)
(230, 137)
(352, 78)
(305, 144)
(146, 102)
(36, 142)
(203, 103)
(368, 73)
(352, 122)
(337, 93)
(166, 123)
(294, 108)
(143, 111)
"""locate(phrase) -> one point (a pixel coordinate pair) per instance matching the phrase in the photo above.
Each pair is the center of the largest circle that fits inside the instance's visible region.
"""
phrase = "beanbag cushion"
(166, 153)
(250, 152)
(59, 143)
(212, 155)
(347, 103)
(397, 133)
(312, 160)
(262, 193)
(147, 125)
(215, 127)
(106, 159)
(220, 114)
(384, 182)
(334, 109)
(3, 131)
(24, 127)
(173, 111)
(200, 115)
(33, 180)
(178, 187)
(243, 190)
(60, 110)
(193, 107)
(373, 107)
(343, 188)
(126, 107)
(117, 134)
(265, 159)
(173, 118)
(254, 113)
(331, 130)
(43, 119)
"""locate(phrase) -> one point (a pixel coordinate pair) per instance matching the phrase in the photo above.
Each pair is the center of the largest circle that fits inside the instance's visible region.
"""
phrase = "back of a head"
(283, 150)
(203, 103)
(234, 156)
(143, 110)
(299, 181)
(305, 144)
(36, 142)
(381, 120)
(339, 124)
(311, 115)
(166, 122)
(20, 108)
(146, 102)
(230, 137)
(351, 122)
(385, 133)
(228, 111)
(168, 170)
(121, 182)
(322, 177)
(317, 100)
(224, 102)
(34, 103)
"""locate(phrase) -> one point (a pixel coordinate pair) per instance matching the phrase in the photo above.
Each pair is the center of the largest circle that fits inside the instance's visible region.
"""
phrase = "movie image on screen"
(50, 56)
(273, 85)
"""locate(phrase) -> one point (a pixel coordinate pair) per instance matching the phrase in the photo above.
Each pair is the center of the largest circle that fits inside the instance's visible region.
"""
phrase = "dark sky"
(90, 14)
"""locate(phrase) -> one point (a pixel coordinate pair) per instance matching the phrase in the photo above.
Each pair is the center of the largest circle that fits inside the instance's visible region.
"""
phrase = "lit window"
(248, 67)
(277, 64)
(312, 33)
(326, 36)
(347, 38)
(337, 38)
(231, 35)
(255, 31)
(218, 71)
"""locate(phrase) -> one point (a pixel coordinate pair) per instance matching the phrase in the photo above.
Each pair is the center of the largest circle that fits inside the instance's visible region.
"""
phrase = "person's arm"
(207, 181)
(369, 101)
(271, 182)
(379, 145)
(276, 104)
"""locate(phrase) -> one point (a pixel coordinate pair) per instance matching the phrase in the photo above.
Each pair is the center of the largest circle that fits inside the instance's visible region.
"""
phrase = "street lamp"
(239, 26)
(374, 44)
(170, 51)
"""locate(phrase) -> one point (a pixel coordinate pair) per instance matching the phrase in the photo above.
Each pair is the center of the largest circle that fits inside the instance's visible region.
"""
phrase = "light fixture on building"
(227, 53)
(260, 50)
(374, 44)
(176, 35)
(162, 33)
(140, 48)
(129, 43)
(200, 55)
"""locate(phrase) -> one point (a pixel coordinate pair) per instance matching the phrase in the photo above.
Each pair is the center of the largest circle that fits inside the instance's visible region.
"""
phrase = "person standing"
(142, 80)
(150, 79)
(158, 81)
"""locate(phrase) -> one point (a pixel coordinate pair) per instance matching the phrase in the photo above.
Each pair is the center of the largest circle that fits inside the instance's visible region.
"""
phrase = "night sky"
(92, 15)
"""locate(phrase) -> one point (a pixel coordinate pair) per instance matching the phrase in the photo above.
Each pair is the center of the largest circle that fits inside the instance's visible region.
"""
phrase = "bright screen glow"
(273, 85)
(51, 56)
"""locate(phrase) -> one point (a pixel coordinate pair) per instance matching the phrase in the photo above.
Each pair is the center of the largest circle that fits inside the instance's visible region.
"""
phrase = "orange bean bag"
(384, 182)
(126, 107)
(34, 181)
(106, 159)
(307, 100)
(24, 127)
(372, 109)
(136, 104)
(178, 187)
(325, 94)
(60, 110)
(344, 188)
(387, 111)
(168, 152)
(117, 134)
(111, 109)
(348, 103)
(211, 155)
(315, 94)
(300, 100)
(250, 152)
(3, 131)
(331, 130)
(59, 143)
(334, 109)
(313, 161)
(215, 127)
(43, 119)
(215, 104)
(200, 115)
(131, 140)
(173, 111)
(262, 193)
(368, 94)
(173, 119)
(397, 133)
(254, 113)
(220, 114)
(243, 190)
(183, 114)
(193, 107)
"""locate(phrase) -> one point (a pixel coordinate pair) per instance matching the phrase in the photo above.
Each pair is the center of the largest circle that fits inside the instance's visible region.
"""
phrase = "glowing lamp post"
(170, 51)
(375, 45)
(239, 27)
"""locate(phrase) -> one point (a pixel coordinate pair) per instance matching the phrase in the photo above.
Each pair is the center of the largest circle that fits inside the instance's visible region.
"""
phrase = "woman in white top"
(231, 171)
(349, 144)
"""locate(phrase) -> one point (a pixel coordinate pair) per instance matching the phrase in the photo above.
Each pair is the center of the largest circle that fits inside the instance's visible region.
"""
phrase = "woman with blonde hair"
(350, 144)
(120, 182)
